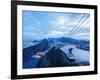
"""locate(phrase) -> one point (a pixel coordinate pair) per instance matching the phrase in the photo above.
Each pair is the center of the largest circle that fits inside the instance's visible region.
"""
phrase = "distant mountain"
(36, 41)
(82, 44)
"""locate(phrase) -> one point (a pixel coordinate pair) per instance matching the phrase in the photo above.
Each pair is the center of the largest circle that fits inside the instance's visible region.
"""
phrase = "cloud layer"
(39, 25)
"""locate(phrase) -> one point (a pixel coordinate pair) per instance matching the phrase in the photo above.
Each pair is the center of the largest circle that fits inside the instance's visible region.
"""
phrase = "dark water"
(32, 63)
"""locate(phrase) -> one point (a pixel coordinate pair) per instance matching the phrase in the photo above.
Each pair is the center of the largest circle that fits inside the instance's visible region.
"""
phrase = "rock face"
(55, 57)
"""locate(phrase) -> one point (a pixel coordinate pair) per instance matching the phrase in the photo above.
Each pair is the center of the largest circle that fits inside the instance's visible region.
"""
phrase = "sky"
(39, 25)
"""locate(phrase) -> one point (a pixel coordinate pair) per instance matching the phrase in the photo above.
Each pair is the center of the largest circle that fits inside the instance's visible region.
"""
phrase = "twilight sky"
(40, 25)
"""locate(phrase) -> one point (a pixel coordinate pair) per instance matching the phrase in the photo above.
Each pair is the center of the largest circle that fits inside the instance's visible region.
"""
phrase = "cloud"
(60, 22)
(81, 24)
(85, 36)
(67, 23)
(86, 24)
(55, 32)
